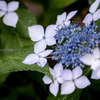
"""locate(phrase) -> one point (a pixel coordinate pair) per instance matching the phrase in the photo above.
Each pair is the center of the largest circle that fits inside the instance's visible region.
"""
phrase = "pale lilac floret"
(56, 73)
(73, 78)
(64, 18)
(42, 38)
(10, 17)
(93, 15)
(39, 58)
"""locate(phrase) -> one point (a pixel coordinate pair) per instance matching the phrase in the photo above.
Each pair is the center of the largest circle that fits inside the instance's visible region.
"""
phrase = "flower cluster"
(74, 47)
(74, 42)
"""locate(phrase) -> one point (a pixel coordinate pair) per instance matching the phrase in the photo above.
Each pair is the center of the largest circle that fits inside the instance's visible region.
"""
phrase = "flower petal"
(45, 53)
(82, 82)
(67, 22)
(70, 15)
(39, 46)
(61, 18)
(96, 53)
(60, 80)
(42, 62)
(2, 13)
(3, 5)
(36, 32)
(88, 19)
(30, 59)
(47, 80)
(94, 6)
(12, 6)
(50, 41)
(67, 74)
(54, 88)
(96, 15)
(95, 64)
(94, 74)
(51, 31)
(77, 72)
(58, 68)
(11, 19)
(52, 72)
(67, 87)
(87, 59)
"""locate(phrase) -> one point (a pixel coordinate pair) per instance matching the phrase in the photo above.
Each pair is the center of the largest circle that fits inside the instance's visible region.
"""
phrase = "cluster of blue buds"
(73, 42)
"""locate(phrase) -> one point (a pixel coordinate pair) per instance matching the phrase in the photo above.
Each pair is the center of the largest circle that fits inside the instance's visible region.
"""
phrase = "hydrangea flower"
(64, 18)
(36, 34)
(10, 18)
(93, 15)
(39, 58)
(56, 73)
(73, 42)
(92, 60)
(73, 78)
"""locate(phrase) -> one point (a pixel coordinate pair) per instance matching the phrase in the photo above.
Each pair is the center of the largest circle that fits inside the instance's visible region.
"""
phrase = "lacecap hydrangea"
(73, 47)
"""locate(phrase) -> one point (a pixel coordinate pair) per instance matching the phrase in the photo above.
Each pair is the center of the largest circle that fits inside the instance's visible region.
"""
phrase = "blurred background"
(28, 85)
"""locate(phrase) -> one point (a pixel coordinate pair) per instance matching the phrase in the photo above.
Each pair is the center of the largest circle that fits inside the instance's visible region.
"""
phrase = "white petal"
(67, 22)
(54, 88)
(95, 64)
(3, 5)
(50, 31)
(96, 53)
(47, 80)
(96, 15)
(77, 72)
(52, 72)
(94, 75)
(67, 74)
(87, 59)
(60, 80)
(67, 87)
(58, 68)
(2, 13)
(45, 53)
(12, 6)
(98, 72)
(36, 32)
(39, 46)
(82, 82)
(42, 62)
(30, 59)
(70, 15)
(61, 18)
(50, 41)
(11, 19)
(87, 19)
(94, 6)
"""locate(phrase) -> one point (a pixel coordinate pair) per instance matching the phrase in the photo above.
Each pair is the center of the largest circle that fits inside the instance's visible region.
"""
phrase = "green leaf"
(13, 63)
(26, 19)
(11, 41)
(61, 3)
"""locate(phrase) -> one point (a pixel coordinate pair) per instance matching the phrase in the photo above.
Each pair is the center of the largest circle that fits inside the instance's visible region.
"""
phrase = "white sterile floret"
(64, 18)
(56, 73)
(93, 15)
(73, 78)
(92, 60)
(10, 18)
(39, 58)
(96, 73)
(36, 34)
